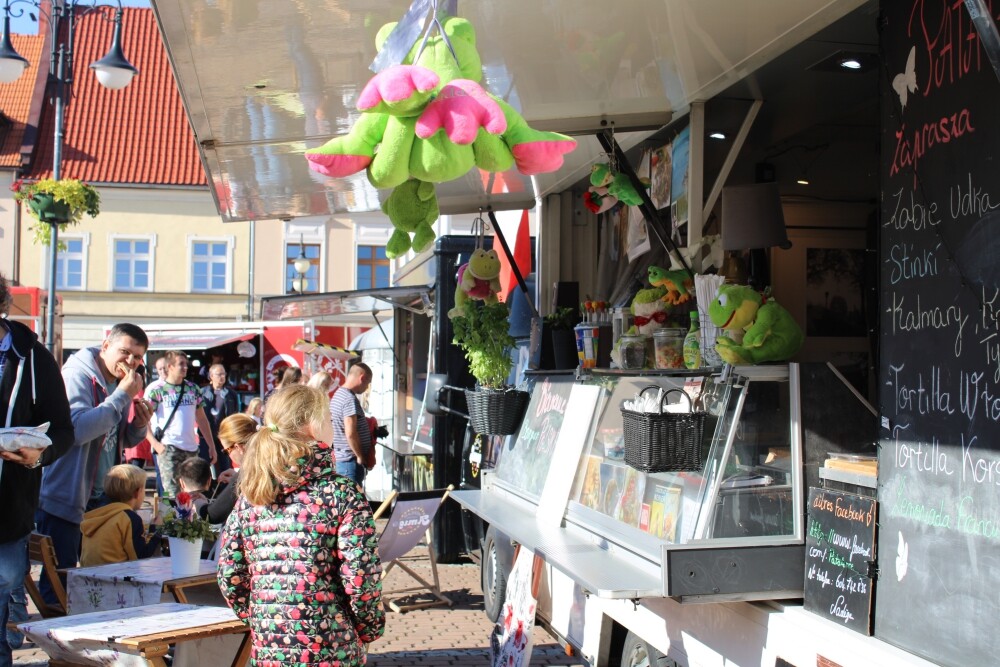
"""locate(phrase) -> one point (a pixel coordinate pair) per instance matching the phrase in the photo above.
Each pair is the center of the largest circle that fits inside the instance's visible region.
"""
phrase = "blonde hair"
(272, 454)
(321, 380)
(123, 481)
(252, 406)
(237, 429)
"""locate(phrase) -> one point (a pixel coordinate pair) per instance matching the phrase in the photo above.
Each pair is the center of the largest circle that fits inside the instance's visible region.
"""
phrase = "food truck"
(876, 122)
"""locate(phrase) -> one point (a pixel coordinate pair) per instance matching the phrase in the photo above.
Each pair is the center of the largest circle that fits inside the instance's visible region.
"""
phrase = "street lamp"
(301, 265)
(113, 71)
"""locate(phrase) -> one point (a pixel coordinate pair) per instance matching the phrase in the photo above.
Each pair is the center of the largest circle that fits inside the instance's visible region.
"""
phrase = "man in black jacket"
(31, 393)
(220, 402)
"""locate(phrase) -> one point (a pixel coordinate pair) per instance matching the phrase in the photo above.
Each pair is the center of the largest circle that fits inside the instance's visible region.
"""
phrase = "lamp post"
(302, 265)
(113, 71)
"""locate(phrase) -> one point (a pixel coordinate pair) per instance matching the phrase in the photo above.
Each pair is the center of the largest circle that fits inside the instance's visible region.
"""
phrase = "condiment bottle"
(692, 343)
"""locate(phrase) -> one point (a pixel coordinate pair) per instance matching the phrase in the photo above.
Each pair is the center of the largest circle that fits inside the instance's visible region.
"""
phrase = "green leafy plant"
(183, 522)
(482, 331)
(563, 319)
(78, 198)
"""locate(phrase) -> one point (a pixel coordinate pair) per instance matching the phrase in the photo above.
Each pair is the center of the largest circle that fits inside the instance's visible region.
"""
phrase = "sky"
(25, 25)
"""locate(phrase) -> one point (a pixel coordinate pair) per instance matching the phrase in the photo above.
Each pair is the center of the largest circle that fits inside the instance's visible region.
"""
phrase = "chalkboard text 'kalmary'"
(912, 316)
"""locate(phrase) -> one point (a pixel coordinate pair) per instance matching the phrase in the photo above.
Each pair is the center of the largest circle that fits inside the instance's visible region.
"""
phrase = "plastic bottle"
(692, 344)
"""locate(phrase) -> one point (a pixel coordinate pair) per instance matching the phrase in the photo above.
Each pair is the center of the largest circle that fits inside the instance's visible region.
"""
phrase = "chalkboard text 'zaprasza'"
(911, 148)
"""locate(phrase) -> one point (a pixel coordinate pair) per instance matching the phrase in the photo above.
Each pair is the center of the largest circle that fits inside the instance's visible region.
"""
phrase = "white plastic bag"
(511, 641)
(28, 437)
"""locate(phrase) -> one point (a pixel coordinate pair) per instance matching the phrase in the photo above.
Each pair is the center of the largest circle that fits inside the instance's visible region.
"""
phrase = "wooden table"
(131, 584)
(142, 636)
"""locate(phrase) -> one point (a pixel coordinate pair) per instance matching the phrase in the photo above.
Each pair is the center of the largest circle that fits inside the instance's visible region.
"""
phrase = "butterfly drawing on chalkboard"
(902, 558)
(906, 81)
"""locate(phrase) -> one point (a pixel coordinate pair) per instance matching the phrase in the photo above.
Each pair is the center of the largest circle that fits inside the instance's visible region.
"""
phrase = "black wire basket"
(663, 441)
(496, 411)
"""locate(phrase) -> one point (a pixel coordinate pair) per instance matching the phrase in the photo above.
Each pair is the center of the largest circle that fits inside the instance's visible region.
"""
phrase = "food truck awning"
(343, 307)
(196, 341)
(263, 82)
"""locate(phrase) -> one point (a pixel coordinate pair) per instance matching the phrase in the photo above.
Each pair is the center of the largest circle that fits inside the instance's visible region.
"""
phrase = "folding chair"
(408, 512)
(40, 550)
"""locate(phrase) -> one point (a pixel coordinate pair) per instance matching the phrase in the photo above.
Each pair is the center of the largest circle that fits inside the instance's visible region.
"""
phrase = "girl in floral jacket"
(298, 560)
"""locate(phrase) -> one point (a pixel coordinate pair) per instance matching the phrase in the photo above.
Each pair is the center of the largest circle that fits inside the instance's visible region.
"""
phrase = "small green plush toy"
(477, 279)
(770, 333)
(678, 284)
(413, 208)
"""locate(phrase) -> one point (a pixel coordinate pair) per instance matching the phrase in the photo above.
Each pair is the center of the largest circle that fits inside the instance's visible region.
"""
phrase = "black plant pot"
(564, 355)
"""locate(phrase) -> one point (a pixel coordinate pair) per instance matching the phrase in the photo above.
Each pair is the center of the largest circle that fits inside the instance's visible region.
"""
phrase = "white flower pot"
(184, 556)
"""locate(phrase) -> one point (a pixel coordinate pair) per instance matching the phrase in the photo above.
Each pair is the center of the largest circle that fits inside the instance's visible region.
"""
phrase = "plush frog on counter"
(769, 332)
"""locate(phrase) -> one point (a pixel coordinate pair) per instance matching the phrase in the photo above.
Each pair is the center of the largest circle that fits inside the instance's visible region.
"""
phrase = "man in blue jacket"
(31, 394)
(102, 386)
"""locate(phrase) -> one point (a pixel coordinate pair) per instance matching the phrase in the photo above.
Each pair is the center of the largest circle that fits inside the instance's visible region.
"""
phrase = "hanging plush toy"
(608, 188)
(429, 119)
(769, 332)
(478, 279)
(413, 208)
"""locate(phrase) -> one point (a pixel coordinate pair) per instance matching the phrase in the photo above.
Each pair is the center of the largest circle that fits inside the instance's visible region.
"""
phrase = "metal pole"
(253, 243)
(50, 339)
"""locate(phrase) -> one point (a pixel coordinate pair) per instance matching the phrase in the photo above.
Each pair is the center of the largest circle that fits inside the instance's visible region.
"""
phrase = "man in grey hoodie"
(102, 387)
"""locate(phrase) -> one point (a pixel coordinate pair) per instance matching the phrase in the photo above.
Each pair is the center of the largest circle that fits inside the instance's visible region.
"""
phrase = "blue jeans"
(354, 470)
(66, 537)
(17, 605)
(13, 564)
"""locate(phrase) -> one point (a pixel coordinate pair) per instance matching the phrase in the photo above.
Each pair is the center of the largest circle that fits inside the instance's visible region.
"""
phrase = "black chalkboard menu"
(840, 557)
(939, 457)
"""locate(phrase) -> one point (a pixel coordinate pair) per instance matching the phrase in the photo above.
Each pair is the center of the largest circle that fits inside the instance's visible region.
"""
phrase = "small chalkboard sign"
(840, 557)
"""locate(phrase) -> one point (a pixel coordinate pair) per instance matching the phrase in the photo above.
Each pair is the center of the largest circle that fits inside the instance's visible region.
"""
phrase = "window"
(210, 261)
(373, 267)
(71, 263)
(132, 264)
(311, 251)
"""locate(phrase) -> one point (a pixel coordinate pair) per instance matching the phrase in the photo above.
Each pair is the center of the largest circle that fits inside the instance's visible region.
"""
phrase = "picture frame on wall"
(820, 281)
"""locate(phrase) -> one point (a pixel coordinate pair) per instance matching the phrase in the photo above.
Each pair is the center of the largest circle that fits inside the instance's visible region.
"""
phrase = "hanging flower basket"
(62, 202)
(46, 208)
(496, 411)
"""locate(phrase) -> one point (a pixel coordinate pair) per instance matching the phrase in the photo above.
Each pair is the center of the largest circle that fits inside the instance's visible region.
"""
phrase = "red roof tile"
(138, 135)
(16, 101)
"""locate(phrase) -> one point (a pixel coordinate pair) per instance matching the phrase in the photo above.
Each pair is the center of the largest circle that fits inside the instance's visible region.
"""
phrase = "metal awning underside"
(196, 341)
(346, 306)
(264, 81)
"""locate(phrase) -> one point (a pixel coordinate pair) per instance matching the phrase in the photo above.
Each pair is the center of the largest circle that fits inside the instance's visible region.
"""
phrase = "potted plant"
(61, 202)
(185, 531)
(481, 329)
(559, 352)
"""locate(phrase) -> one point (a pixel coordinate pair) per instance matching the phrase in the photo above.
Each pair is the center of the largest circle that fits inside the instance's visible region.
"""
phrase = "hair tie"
(273, 427)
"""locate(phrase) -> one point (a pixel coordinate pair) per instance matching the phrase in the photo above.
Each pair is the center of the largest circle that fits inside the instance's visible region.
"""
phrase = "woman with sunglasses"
(234, 433)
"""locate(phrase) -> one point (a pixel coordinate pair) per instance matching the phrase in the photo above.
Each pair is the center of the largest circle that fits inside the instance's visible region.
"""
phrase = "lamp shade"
(12, 63)
(752, 217)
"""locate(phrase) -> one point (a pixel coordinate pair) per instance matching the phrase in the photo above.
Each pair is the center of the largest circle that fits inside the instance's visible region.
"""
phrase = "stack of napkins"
(29, 437)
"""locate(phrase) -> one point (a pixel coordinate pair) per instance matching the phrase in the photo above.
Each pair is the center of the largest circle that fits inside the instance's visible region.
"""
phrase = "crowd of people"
(289, 488)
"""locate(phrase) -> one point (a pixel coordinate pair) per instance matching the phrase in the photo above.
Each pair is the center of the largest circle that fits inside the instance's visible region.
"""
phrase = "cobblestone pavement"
(438, 636)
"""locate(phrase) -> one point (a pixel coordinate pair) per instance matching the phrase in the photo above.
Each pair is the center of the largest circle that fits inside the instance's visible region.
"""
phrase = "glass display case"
(731, 529)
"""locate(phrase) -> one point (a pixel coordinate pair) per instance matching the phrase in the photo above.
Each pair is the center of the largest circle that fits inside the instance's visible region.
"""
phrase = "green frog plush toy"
(769, 332)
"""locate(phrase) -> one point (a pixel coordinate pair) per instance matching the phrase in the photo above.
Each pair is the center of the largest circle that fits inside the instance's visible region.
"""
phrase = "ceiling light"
(850, 63)
(803, 181)
(718, 136)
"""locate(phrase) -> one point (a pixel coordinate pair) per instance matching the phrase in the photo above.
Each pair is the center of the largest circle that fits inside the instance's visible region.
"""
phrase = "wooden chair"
(394, 543)
(40, 550)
